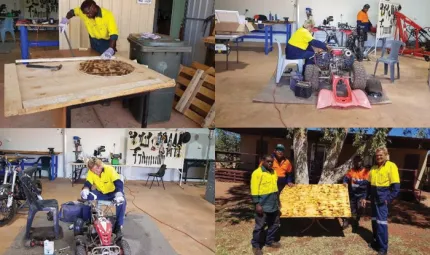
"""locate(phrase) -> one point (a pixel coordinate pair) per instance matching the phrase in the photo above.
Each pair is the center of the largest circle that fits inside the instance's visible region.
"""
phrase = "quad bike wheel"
(125, 247)
(80, 250)
(7, 214)
(358, 76)
(312, 76)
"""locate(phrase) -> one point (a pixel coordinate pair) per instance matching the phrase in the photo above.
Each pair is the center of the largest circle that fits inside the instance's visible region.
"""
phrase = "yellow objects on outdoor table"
(311, 201)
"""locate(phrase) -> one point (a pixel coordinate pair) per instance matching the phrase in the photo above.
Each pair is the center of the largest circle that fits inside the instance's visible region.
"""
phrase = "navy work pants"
(272, 221)
(380, 225)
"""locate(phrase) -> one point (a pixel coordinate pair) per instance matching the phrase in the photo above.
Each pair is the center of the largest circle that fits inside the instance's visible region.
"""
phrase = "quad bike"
(346, 79)
(12, 196)
(96, 235)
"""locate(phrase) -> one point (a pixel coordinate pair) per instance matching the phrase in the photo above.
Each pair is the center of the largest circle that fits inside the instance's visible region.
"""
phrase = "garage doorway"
(169, 16)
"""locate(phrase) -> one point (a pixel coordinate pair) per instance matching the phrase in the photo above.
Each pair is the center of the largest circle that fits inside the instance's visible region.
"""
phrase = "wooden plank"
(188, 71)
(12, 152)
(48, 60)
(210, 118)
(190, 92)
(194, 116)
(210, 79)
(207, 93)
(196, 102)
(59, 117)
(197, 65)
(12, 92)
(183, 81)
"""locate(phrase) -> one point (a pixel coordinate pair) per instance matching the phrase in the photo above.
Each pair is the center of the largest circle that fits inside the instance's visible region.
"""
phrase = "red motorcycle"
(96, 236)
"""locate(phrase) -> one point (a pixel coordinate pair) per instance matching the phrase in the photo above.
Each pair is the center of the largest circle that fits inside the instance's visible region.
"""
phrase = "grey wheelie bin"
(163, 55)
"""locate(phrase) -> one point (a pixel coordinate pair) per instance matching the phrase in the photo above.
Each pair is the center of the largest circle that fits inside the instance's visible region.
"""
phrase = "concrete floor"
(98, 116)
(237, 87)
(183, 209)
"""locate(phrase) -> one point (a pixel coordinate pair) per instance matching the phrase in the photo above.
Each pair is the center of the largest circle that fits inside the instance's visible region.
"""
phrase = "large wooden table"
(315, 202)
(30, 91)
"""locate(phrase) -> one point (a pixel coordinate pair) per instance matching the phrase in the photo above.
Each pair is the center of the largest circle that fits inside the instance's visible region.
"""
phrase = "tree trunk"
(300, 145)
(329, 171)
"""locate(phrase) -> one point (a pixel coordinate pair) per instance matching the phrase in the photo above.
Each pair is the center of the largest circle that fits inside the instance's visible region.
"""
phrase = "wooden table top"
(36, 25)
(35, 90)
(12, 152)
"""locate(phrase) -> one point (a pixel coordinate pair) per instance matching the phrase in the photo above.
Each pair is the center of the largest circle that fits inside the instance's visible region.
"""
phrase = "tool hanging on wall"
(159, 138)
(135, 150)
(164, 137)
(133, 136)
(141, 136)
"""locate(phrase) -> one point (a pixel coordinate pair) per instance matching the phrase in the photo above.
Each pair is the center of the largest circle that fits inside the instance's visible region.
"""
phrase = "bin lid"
(164, 41)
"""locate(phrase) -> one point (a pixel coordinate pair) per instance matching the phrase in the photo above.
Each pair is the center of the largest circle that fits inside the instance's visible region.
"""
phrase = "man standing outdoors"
(385, 186)
(282, 167)
(100, 24)
(264, 192)
(357, 181)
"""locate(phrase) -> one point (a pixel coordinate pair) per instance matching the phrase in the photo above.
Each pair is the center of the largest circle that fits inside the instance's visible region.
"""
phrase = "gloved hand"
(119, 198)
(84, 193)
(108, 54)
(63, 24)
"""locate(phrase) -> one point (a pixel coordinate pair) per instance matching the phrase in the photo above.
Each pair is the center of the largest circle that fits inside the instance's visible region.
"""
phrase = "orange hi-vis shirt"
(363, 17)
(281, 168)
(357, 178)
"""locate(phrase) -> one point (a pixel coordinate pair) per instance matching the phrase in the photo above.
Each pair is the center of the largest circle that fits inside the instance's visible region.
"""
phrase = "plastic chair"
(158, 175)
(391, 60)
(36, 205)
(46, 165)
(7, 26)
(283, 63)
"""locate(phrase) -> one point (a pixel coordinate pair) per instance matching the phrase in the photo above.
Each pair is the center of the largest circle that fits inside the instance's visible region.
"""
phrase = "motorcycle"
(96, 235)
(12, 196)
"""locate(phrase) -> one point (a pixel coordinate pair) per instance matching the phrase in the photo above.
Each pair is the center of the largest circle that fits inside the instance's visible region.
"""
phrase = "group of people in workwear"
(380, 185)
(301, 43)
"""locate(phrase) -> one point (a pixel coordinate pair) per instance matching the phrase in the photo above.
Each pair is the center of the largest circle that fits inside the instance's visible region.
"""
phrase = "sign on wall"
(386, 24)
(154, 147)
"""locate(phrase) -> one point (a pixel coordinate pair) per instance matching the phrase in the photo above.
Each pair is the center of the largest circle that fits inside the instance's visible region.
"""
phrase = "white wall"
(37, 139)
(417, 10)
(91, 139)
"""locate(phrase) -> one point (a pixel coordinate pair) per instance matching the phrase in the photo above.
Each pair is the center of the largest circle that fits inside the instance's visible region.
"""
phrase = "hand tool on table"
(68, 42)
(52, 68)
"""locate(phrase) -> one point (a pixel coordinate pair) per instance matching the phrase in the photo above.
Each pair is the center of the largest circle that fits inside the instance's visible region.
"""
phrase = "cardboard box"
(233, 28)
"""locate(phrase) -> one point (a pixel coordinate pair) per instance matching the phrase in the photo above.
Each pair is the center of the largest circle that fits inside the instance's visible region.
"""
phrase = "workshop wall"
(322, 9)
(91, 139)
(130, 16)
(38, 139)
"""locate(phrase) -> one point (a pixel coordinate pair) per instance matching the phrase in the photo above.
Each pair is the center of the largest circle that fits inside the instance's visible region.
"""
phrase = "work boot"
(374, 245)
(118, 232)
(354, 226)
(275, 245)
(382, 253)
(257, 251)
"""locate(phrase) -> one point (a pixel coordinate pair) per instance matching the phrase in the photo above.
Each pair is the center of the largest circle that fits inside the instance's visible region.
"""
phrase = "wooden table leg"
(59, 116)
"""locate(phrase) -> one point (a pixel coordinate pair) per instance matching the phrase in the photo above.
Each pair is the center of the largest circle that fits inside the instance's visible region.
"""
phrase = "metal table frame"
(26, 44)
(226, 39)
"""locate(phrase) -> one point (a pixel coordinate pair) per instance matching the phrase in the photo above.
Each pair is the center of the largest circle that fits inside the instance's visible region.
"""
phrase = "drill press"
(115, 157)
(78, 149)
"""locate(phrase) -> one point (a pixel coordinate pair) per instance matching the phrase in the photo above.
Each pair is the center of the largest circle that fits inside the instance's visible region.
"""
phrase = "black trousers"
(272, 221)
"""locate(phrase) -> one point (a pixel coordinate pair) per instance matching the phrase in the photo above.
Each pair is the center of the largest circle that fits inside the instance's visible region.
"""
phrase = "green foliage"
(227, 141)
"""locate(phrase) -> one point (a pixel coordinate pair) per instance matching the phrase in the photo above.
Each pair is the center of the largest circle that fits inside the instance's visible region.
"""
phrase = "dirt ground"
(183, 209)
(409, 228)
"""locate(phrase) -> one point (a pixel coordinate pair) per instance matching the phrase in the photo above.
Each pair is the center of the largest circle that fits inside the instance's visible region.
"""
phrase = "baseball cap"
(280, 147)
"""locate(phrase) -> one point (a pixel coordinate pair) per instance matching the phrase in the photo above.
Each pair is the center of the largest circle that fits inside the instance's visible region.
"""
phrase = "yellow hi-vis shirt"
(264, 189)
(385, 175)
(301, 38)
(104, 182)
(103, 26)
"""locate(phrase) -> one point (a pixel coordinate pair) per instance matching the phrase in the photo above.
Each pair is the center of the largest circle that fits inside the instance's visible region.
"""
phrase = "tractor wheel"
(80, 250)
(358, 76)
(312, 73)
(125, 247)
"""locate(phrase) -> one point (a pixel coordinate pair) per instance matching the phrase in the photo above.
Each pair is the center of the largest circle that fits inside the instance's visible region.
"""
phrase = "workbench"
(30, 91)
(26, 44)
(78, 169)
(54, 159)
(268, 33)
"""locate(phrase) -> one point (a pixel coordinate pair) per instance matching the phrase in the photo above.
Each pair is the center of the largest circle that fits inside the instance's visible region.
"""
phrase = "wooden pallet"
(195, 94)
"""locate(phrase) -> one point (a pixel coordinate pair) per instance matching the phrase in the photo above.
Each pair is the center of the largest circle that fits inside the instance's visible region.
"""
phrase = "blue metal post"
(266, 38)
(271, 38)
(24, 42)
